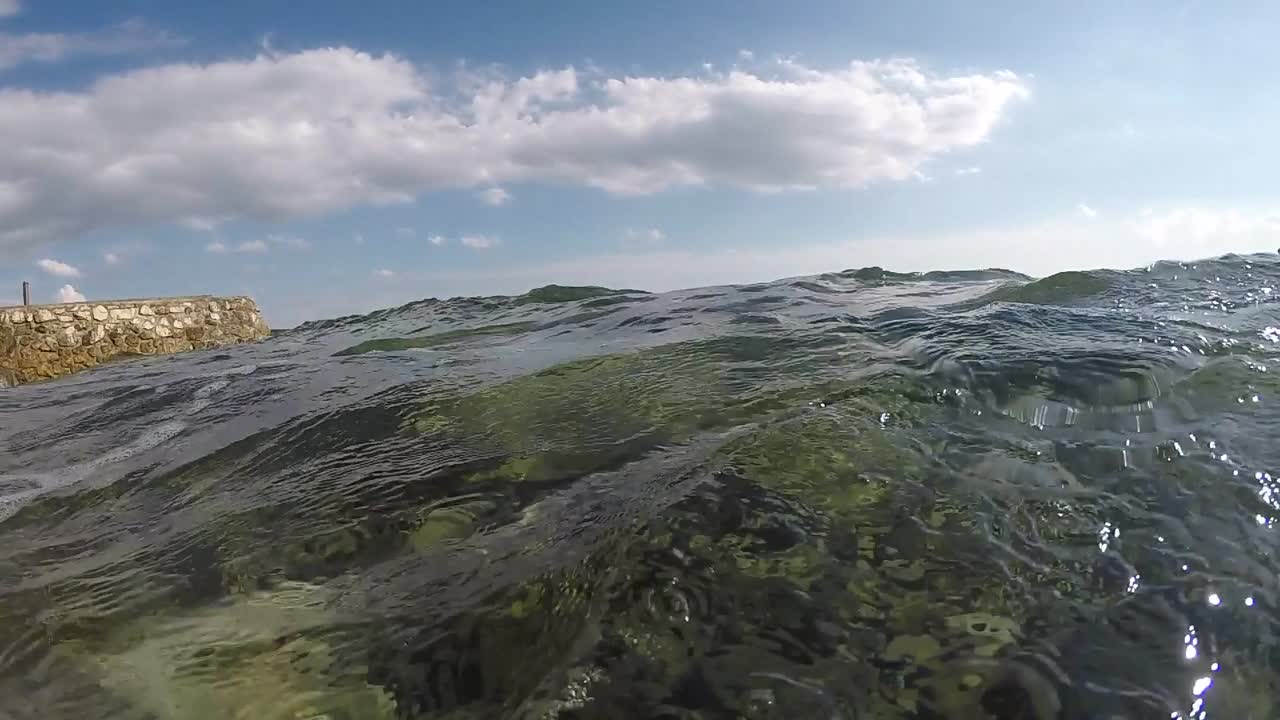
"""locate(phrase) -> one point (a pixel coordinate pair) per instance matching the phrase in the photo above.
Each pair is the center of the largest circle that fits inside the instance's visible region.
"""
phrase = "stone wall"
(46, 341)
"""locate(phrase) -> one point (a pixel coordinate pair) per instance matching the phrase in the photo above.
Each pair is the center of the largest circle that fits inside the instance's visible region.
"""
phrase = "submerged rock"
(255, 657)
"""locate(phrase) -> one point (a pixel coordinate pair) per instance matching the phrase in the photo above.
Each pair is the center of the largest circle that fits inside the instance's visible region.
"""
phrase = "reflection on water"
(859, 495)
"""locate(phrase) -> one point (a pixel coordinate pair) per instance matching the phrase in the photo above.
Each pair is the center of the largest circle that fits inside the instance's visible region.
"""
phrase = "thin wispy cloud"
(479, 242)
(290, 241)
(1131, 240)
(248, 247)
(384, 273)
(436, 240)
(1086, 211)
(784, 127)
(9, 8)
(195, 222)
(969, 170)
(117, 254)
(639, 237)
(68, 294)
(495, 197)
(58, 269)
(1201, 227)
(129, 37)
(406, 232)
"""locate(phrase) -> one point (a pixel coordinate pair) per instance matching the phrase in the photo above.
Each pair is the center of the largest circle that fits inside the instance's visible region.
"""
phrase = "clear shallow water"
(859, 495)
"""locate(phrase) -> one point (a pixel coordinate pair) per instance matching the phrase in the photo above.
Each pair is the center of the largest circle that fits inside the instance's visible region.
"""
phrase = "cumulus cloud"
(1086, 211)
(495, 196)
(479, 242)
(128, 37)
(68, 294)
(285, 135)
(58, 269)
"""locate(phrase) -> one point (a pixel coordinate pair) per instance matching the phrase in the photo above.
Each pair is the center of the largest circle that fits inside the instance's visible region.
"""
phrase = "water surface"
(856, 495)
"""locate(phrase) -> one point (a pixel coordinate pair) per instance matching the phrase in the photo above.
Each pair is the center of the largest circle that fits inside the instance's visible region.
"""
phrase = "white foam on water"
(38, 484)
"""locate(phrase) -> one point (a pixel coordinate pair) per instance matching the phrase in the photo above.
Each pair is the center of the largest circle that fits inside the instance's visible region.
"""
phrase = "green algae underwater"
(939, 496)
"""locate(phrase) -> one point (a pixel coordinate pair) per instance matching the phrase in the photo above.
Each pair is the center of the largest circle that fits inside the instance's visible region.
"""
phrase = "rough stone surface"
(39, 342)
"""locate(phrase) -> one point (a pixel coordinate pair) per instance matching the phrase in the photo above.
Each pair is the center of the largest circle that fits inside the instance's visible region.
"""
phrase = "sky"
(328, 158)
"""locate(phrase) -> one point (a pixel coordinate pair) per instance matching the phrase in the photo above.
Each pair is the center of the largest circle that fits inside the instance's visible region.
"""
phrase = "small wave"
(36, 485)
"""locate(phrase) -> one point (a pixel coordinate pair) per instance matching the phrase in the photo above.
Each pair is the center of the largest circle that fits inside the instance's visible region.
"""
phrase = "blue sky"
(330, 158)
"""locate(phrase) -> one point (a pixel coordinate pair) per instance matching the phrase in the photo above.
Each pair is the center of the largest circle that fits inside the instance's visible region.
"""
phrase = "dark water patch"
(1062, 288)
(642, 320)
(562, 293)
(450, 336)
(610, 300)
(755, 319)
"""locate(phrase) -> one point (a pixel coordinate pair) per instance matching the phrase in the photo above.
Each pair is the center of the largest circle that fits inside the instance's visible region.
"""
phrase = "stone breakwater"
(46, 341)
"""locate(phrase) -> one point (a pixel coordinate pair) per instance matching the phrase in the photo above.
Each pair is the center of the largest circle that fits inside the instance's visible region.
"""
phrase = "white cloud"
(68, 294)
(1203, 228)
(286, 135)
(290, 241)
(58, 269)
(746, 55)
(253, 247)
(384, 273)
(202, 224)
(479, 242)
(495, 196)
(9, 8)
(128, 37)
(406, 232)
(119, 253)
(1086, 211)
(643, 236)
(436, 240)
(969, 170)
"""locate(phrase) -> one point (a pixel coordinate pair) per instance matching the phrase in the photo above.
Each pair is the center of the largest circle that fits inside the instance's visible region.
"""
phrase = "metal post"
(26, 293)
